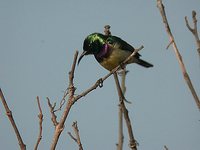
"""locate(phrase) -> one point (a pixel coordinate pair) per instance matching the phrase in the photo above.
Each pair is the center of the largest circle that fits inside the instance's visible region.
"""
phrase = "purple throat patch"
(103, 52)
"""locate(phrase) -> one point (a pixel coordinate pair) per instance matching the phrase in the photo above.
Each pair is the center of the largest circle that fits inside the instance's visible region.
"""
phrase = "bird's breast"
(115, 58)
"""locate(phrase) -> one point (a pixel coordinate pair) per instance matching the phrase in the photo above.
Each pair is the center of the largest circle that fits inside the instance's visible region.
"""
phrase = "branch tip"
(177, 53)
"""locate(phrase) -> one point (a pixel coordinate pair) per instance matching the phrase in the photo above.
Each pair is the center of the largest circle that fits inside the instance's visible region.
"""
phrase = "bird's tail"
(144, 63)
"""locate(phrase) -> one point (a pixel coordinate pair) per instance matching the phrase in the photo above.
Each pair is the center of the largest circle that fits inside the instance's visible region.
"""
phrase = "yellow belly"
(116, 57)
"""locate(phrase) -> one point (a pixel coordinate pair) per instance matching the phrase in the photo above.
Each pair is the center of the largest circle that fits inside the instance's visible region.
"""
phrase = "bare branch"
(120, 112)
(53, 116)
(132, 141)
(73, 138)
(123, 74)
(71, 89)
(40, 117)
(76, 131)
(62, 102)
(194, 30)
(177, 53)
(10, 117)
(120, 129)
(171, 42)
(166, 148)
(188, 26)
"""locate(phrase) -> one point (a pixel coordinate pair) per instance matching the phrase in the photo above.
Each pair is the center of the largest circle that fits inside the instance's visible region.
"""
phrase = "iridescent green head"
(93, 43)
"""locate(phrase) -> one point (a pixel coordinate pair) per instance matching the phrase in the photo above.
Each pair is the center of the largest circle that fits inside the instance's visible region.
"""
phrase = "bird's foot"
(100, 83)
(122, 65)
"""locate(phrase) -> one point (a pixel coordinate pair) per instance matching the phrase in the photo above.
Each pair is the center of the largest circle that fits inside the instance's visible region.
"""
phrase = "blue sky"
(37, 43)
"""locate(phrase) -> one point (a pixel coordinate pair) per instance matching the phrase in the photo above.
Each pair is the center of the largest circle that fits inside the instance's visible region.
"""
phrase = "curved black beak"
(81, 56)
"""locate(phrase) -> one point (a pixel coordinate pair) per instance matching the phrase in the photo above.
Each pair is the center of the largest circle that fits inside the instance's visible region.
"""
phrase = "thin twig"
(123, 79)
(132, 141)
(73, 138)
(120, 111)
(120, 129)
(40, 117)
(123, 74)
(10, 117)
(63, 100)
(53, 115)
(194, 30)
(177, 53)
(166, 148)
(76, 131)
(71, 89)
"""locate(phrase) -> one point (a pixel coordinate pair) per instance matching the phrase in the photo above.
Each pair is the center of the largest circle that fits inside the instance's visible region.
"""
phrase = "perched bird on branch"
(110, 51)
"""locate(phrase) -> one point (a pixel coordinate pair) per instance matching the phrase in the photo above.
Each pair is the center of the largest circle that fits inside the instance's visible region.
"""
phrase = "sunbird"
(110, 51)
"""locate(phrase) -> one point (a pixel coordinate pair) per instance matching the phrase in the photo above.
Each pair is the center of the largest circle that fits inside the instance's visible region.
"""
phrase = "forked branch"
(132, 141)
(77, 138)
(71, 89)
(177, 53)
(194, 30)
(52, 110)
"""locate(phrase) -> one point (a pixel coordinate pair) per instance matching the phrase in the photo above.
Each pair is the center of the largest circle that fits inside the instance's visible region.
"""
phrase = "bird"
(110, 51)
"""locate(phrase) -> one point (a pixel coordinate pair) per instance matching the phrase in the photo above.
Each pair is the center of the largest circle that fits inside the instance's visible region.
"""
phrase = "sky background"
(38, 40)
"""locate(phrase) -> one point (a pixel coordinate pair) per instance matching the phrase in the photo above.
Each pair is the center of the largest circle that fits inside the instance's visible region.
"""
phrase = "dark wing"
(121, 44)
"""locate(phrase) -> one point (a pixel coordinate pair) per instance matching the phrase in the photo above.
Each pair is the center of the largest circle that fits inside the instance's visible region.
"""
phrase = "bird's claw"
(122, 65)
(100, 83)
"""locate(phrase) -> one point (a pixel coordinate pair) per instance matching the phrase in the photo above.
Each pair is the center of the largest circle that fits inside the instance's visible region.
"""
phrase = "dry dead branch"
(77, 139)
(40, 117)
(12, 121)
(132, 141)
(177, 53)
(53, 115)
(194, 30)
(120, 111)
(166, 148)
